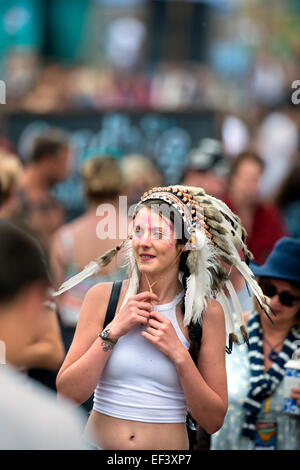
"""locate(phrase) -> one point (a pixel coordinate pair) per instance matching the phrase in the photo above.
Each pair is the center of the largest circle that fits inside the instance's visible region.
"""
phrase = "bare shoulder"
(97, 298)
(213, 324)
(214, 314)
(213, 343)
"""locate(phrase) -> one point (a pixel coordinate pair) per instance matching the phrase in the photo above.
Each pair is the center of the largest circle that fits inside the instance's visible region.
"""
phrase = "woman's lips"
(146, 257)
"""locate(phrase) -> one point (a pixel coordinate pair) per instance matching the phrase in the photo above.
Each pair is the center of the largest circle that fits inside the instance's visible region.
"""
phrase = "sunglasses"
(286, 298)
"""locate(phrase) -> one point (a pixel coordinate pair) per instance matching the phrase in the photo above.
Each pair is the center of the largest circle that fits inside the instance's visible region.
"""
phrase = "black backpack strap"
(113, 302)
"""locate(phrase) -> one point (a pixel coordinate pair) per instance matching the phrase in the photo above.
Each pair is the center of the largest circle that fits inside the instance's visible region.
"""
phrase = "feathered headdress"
(215, 239)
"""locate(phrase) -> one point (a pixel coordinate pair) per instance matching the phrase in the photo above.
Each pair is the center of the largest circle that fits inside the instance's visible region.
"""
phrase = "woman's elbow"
(69, 392)
(215, 421)
(214, 426)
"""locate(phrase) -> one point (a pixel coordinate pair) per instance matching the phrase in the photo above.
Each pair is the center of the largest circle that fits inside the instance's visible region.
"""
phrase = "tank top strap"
(176, 299)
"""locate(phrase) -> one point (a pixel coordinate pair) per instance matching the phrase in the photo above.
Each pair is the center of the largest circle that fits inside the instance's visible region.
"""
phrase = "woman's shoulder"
(213, 316)
(102, 290)
(214, 307)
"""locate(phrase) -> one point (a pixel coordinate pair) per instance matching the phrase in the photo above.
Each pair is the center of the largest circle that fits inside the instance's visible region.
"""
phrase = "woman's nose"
(145, 238)
(275, 300)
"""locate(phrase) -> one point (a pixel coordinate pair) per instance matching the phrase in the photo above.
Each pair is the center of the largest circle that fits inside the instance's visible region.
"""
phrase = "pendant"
(273, 355)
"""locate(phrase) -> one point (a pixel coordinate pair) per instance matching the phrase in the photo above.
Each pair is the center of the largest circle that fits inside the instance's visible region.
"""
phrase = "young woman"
(141, 368)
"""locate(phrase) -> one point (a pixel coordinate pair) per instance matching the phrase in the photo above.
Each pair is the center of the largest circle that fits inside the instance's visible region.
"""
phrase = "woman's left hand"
(295, 394)
(161, 333)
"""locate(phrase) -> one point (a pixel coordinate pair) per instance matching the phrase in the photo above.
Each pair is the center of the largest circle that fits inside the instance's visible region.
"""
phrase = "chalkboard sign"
(166, 138)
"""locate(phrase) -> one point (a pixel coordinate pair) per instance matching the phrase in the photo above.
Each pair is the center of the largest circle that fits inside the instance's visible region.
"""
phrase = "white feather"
(189, 299)
(199, 284)
(236, 303)
(89, 270)
(229, 321)
(134, 280)
(247, 274)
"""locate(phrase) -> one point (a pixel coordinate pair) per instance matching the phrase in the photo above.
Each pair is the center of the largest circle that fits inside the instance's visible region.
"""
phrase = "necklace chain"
(273, 354)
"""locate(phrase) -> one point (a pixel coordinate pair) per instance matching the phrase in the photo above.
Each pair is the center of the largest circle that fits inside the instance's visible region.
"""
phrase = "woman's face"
(285, 301)
(154, 242)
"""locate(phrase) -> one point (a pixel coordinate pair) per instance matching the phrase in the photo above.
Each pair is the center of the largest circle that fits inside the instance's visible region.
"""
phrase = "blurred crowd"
(27, 200)
(253, 165)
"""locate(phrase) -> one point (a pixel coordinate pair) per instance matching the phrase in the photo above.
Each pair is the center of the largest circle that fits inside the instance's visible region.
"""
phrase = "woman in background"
(79, 241)
(255, 376)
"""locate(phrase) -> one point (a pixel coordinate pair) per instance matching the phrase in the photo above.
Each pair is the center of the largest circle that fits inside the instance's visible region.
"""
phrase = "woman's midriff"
(121, 434)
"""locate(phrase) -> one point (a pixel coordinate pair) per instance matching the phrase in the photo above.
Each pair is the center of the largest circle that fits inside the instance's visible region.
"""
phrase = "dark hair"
(48, 144)
(289, 190)
(247, 155)
(194, 330)
(21, 259)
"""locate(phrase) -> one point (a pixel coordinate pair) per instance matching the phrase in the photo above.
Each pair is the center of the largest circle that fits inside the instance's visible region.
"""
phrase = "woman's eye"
(137, 232)
(157, 235)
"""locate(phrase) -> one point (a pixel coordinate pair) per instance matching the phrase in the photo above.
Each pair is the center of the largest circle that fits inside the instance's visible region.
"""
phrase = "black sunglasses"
(286, 298)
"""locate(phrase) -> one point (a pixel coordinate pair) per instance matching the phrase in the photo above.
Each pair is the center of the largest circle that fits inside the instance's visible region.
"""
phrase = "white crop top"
(140, 383)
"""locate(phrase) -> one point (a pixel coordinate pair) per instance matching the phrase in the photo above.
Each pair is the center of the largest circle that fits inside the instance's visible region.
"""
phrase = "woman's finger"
(143, 313)
(154, 323)
(143, 305)
(158, 316)
(153, 331)
(146, 295)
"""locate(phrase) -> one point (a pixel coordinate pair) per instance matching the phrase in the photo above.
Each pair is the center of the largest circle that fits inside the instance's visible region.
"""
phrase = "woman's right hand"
(136, 311)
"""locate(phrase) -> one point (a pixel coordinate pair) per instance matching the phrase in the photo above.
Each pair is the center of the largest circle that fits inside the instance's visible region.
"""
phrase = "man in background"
(46, 166)
(262, 221)
(207, 168)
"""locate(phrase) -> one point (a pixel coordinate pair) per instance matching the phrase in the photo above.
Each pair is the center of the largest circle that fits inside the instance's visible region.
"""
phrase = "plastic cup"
(292, 379)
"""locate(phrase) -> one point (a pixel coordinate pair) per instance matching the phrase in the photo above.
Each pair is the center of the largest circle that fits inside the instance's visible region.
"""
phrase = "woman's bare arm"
(206, 391)
(86, 358)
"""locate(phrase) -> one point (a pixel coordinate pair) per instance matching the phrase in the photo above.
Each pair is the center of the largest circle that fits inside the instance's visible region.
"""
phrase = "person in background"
(75, 243)
(47, 165)
(287, 199)
(30, 416)
(208, 168)
(10, 172)
(44, 355)
(255, 375)
(139, 173)
(262, 221)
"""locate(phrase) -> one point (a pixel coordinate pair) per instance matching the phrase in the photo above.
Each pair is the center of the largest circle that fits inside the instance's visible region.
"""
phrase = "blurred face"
(285, 301)
(59, 165)
(245, 181)
(154, 243)
(209, 181)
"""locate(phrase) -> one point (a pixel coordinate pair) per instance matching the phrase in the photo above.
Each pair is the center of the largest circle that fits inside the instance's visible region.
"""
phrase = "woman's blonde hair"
(10, 171)
(101, 178)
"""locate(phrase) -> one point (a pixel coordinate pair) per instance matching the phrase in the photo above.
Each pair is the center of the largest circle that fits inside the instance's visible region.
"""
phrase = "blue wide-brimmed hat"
(282, 263)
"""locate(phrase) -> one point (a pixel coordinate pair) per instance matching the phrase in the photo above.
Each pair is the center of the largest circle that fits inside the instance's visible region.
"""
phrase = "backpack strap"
(113, 302)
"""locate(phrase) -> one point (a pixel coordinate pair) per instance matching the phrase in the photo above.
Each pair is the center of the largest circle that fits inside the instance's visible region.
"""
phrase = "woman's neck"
(276, 330)
(165, 289)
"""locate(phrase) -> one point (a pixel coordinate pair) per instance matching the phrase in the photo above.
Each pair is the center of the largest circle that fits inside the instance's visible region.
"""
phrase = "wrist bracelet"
(105, 336)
